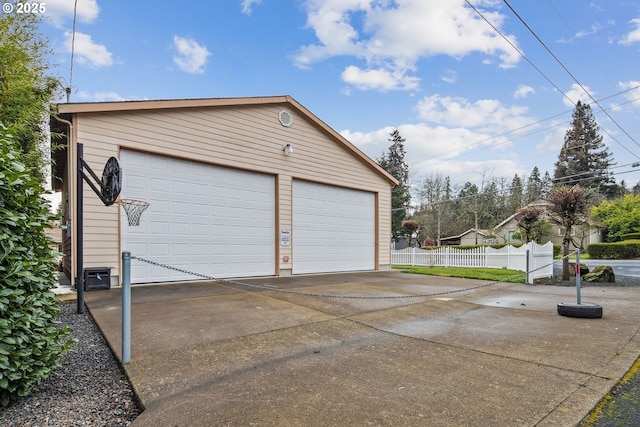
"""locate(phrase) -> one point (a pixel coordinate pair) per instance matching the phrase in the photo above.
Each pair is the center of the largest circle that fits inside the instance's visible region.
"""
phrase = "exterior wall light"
(288, 149)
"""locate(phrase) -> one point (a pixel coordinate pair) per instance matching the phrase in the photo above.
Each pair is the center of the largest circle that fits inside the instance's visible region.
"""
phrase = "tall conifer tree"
(584, 160)
(393, 162)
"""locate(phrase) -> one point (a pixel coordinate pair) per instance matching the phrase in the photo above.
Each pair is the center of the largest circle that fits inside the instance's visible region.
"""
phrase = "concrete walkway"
(205, 353)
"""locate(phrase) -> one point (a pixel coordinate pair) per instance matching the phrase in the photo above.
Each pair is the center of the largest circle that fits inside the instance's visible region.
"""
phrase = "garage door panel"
(333, 229)
(205, 218)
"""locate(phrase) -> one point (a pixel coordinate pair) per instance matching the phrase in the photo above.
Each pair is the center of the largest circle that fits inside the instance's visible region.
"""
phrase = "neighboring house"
(226, 198)
(507, 229)
(582, 235)
(404, 243)
(54, 234)
(470, 237)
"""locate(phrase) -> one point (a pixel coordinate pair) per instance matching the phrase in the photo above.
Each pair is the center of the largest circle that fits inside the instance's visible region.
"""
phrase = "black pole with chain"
(79, 232)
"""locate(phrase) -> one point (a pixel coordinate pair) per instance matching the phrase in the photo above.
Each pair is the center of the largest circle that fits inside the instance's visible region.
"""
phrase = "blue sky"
(472, 98)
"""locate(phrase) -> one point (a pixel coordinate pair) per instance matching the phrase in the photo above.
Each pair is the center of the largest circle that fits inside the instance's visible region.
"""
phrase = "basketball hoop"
(133, 208)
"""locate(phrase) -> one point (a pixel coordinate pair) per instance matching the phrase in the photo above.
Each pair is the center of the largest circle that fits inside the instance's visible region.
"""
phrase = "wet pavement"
(449, 352)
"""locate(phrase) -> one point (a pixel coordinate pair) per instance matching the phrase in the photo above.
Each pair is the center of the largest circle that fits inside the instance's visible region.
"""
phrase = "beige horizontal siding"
(243, 137)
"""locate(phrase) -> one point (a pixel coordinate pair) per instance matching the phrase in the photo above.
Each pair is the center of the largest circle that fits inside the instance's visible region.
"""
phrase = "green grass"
(481, 273)
(572, 257)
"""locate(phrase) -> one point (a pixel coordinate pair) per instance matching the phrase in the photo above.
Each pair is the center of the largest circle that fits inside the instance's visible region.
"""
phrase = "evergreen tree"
(584, 159)
(516, 198)
(393, 162)
(547, 183)
(533, 192)
(467, 206)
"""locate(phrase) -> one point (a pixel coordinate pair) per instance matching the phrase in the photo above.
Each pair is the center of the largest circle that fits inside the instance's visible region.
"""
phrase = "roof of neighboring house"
(538, 204)
(54, 234)
(482, 232)
(97, 107)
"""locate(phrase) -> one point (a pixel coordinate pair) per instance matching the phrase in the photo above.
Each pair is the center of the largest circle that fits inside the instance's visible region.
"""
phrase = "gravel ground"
(88, 389)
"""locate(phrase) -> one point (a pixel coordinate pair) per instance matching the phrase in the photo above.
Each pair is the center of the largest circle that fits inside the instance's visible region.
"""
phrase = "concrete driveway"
(205, 353)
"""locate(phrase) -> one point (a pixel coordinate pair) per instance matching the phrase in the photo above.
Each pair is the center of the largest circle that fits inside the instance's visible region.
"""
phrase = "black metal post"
(79, 233)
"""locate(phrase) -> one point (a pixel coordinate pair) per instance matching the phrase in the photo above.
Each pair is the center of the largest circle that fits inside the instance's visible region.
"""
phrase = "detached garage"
(237, 187)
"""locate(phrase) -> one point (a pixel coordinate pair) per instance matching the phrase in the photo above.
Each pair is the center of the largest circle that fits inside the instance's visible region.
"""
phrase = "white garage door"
(210, 220)
(333, 229)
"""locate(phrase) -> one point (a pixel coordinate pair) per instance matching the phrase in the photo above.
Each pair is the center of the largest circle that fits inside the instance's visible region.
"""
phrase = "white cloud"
(439, 147)
(191, 57)
(485, 115)
(380, 79)
(575, 94)
(247, 6)
(632, 94)
(88, 52)
(553, 139)
(450, 76)
(394, 35)
(523, 91)
(584, 33)
(101, 96)
(61, 11)
(633, 36)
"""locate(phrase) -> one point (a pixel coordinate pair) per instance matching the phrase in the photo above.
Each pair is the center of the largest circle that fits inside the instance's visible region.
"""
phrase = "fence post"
(126, 307)
(527, 267)
(579, 299)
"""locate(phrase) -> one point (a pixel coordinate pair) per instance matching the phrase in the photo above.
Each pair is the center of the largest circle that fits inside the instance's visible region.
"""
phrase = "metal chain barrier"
(318, 295)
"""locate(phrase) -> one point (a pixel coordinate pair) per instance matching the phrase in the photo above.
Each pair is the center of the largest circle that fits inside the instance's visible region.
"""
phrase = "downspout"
(71, 196)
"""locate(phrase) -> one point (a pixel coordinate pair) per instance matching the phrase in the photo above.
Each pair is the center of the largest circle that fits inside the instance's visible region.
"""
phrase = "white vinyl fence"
(540, 260)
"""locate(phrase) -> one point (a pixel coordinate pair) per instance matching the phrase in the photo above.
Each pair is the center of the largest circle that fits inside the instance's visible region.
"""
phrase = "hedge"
(630, 236)
(628, 249)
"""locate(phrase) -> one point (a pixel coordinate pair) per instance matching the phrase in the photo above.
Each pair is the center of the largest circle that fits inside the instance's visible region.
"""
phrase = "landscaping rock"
(584, 269)
(602, 273)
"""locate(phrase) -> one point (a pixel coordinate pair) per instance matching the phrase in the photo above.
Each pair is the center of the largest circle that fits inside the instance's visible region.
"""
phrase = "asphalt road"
(622, 267)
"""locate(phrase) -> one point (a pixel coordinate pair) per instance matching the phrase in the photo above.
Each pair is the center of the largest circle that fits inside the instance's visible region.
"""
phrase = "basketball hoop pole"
(110, 186)
(79, 233)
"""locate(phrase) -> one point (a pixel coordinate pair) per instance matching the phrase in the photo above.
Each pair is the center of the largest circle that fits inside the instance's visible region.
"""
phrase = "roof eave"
(100, 107)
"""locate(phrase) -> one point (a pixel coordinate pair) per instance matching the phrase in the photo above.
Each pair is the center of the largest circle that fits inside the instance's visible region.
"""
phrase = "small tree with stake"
(567, 207)
(528, 218)
(410, 227)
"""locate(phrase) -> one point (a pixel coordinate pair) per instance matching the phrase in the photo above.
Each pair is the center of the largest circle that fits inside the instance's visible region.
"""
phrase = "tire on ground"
(585, 310)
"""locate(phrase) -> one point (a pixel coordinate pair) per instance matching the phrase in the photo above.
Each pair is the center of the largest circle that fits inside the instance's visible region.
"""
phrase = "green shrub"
(627, 249)
(630, 236)
(30, 341)
(557, 250)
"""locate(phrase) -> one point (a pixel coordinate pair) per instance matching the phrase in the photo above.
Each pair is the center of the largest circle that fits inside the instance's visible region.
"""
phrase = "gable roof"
(479, 231)
(98, 107)
(542, 204)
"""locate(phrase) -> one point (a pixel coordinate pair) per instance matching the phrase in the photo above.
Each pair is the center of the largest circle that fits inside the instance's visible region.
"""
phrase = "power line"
(570, 74)
(73, 44)
(435, 160)
(518, 50)
(551, 82)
